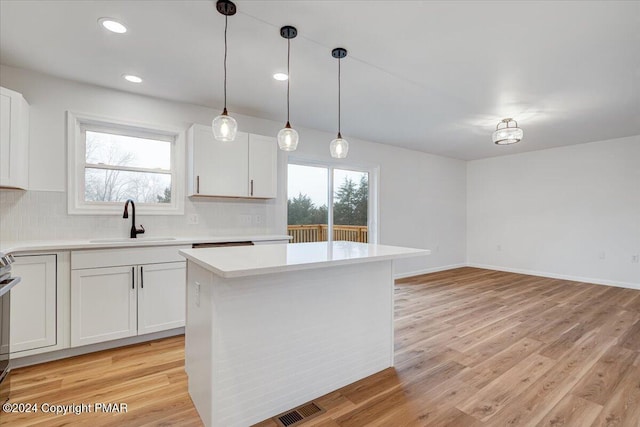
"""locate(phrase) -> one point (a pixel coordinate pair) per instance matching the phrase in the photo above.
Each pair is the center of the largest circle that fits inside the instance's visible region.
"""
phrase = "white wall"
(41, 212)
(570, 212)
(422, 197)
(553, 212)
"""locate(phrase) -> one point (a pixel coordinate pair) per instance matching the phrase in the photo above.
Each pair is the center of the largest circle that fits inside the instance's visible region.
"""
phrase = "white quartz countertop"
(100, 243)
(264, 259)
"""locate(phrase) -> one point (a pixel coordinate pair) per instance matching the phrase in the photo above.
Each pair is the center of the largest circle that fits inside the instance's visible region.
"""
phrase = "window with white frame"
(111, 161)
(331, 202)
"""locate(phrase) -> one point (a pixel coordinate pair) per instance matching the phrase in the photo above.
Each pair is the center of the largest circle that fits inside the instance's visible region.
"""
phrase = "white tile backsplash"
(42, 215)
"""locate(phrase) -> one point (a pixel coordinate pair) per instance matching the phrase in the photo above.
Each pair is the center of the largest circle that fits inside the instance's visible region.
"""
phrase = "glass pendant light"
(339, 147)
(508, 134)
(288, 137)
(224, 126)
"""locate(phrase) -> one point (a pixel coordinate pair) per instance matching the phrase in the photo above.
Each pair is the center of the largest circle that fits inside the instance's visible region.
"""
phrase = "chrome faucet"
(134, 231)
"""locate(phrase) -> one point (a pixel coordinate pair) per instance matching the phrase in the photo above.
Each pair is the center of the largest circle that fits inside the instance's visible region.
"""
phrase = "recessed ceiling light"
(112, 25)
(280, 77)
(131, 78)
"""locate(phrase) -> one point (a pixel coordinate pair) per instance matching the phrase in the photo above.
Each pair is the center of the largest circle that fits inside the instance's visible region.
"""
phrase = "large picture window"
(111, 162)
(327, 202)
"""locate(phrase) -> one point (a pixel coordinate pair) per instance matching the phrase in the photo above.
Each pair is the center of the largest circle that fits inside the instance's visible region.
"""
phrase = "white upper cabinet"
(14, 140)
(244, 168)
(263, 161)
(217, 168)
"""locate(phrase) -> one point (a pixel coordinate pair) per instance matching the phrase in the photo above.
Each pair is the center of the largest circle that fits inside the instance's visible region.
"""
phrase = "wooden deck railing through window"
(319, 232)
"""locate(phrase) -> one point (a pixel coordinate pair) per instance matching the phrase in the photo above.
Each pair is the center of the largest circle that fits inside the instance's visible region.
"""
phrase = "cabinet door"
(219, 168)
(14, 140)
(263, 164)
(103, 304)
(5, 138)
(161, 297)
(33, 303)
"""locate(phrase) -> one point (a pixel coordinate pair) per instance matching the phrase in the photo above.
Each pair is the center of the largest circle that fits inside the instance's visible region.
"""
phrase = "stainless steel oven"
(7, 281)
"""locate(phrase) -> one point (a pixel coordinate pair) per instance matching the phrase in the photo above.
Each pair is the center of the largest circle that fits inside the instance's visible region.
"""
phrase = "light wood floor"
(473, 348)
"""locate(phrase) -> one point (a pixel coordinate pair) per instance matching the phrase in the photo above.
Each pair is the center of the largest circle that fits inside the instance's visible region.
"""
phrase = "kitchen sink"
(129, 240)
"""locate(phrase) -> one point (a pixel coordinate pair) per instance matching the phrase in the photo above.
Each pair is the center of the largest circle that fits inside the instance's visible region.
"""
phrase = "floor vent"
(298, 415)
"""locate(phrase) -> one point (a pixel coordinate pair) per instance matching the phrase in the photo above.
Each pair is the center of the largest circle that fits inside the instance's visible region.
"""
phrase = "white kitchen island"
(271, 327)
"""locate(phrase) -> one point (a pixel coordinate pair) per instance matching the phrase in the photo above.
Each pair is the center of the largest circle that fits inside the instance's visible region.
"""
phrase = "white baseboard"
(427, 271)
(521, 271)
(558, 276)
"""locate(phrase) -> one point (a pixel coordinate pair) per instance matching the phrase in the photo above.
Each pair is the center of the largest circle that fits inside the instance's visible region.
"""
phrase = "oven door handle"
(6, 286)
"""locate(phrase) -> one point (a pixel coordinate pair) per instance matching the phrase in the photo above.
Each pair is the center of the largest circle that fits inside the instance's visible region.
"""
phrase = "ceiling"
(434, 76)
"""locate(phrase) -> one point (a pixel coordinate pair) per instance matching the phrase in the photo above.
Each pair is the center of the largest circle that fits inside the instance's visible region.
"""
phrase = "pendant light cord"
(339, 113)
(288, 74)
(225, 62)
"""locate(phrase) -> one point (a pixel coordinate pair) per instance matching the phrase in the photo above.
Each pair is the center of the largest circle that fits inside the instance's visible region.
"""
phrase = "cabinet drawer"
(95, 258)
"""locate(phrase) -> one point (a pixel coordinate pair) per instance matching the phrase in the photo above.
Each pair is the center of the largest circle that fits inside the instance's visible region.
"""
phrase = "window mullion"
(126, 168)
(330, 205)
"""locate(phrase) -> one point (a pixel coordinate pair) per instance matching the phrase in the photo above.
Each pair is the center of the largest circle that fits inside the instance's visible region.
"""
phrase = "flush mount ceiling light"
(339, 147)
(131, 78)
(507, 134)
(288, 137)
(224, 126)
(280, 77)
(112, 25)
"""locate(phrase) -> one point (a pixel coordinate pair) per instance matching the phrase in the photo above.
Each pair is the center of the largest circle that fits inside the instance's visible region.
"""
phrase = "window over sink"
(111, 161)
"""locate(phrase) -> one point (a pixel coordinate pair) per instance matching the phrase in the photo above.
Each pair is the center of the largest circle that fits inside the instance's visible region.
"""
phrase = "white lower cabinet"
(33, 303)
(109, 303)
(103, 304)
(116, 301)
(161, 297)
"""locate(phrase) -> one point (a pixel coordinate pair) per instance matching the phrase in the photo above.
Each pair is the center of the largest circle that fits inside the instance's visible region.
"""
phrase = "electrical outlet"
(257, 219)
(635, 258)
(196, 286)
(193, 219)
(499, 248)
(602, 255)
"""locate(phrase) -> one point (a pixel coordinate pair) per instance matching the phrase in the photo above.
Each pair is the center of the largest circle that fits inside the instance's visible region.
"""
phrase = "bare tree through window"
(124, 167)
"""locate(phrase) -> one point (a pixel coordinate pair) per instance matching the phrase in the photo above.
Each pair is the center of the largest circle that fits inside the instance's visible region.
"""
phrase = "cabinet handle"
(198, 184)
(133, 277)
(252, 187)
(141, 277)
